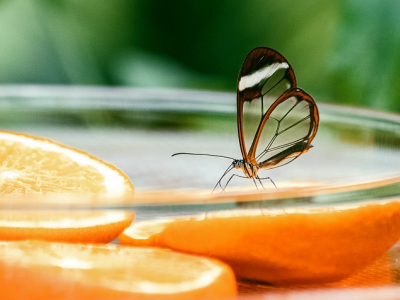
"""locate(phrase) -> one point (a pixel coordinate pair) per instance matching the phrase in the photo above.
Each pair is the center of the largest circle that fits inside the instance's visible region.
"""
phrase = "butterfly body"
(249, 170)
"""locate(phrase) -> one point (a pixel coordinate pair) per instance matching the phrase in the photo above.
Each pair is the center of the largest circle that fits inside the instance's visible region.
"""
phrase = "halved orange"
(281, 246)
(63, 226)
(42, 270)
(33, 165)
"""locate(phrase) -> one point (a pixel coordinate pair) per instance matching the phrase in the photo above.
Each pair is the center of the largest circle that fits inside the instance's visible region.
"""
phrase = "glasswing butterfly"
(275, 118)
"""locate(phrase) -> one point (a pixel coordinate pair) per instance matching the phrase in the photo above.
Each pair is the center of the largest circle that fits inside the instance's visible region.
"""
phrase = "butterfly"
(276, 120)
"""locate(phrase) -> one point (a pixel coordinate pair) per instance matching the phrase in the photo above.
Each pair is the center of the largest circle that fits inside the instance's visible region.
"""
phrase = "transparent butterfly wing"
(286, 130)
(278, 120)
(265, 75)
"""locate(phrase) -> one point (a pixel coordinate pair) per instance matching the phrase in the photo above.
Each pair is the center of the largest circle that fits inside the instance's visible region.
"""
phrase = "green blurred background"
(345, 51)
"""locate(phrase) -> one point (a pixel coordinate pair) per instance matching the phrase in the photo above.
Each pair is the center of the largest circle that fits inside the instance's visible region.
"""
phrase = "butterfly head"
(249, 170)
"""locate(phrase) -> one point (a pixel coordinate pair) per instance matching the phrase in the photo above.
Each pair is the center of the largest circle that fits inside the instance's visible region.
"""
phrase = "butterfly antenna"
(202, 154)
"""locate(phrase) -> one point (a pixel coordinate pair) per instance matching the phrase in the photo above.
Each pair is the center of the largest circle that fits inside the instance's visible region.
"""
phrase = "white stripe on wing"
(255, 78)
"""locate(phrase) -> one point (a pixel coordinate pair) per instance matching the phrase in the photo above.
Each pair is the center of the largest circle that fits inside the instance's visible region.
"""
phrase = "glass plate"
(355, 157)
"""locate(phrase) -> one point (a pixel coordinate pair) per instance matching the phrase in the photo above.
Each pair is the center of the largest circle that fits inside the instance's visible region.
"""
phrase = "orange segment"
(64, 226)
(42, 270)
(36, 165)
(281, 247)
(147, 233)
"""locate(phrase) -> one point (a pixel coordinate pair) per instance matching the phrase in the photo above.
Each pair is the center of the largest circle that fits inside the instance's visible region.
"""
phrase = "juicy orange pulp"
(63, 226)
(281, 247)
(31, 165)
(42, 270)
(36, 166)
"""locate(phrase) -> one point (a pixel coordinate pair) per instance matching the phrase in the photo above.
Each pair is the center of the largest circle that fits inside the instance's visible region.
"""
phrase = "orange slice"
(32, 165)
(281, 246)
(63, 226)
(42, 270)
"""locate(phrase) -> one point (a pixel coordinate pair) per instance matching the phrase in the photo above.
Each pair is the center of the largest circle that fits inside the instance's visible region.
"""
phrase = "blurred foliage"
(342, 50)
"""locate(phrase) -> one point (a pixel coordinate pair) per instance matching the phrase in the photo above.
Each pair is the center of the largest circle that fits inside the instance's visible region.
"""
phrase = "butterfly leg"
(230, 178)
(269, 178)
(259, 180)
(220, 185)
(223, 175)
(255, 183)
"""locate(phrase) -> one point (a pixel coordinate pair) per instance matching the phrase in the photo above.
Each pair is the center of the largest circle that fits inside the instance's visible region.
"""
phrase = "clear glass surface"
(355, 157)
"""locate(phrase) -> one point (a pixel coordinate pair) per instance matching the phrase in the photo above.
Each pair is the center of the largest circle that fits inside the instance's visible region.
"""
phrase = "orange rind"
(281, 246)
(64, 226)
